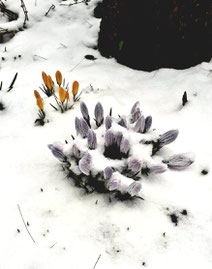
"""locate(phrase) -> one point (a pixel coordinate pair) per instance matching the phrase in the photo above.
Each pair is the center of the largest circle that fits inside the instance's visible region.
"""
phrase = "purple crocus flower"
(83, 128)
(58, 153)
(134, 188)
(113, 184)
(84, 164)
(99, 114)
(84, 111)
(157, 169)
(108, 171)
(77, 125)
(134, 165)
(92, 142)
(168, 138)
(109, 138)
(124, 146)
(140, 125)
(108, 122)
(178, 162)
(135, 113)
(148, 123)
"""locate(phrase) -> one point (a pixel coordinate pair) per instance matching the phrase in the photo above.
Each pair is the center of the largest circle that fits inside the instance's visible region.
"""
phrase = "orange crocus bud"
(44, 76)
(59, 78)
(62, 94)
(49, 83)
(36, 94)
(67, 96)
(75, 87)
(40, 103)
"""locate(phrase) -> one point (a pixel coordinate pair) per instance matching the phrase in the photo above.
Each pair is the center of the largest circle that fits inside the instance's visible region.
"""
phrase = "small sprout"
(184, 99)
(108, 171)
(99, 114)
(62, 94)
(59, 77)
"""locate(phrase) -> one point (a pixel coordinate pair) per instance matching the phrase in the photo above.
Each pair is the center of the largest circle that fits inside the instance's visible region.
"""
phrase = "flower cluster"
(114, 154)
(60, 92)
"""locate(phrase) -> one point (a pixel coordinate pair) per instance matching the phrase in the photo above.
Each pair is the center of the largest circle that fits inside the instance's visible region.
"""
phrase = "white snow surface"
(70, 229)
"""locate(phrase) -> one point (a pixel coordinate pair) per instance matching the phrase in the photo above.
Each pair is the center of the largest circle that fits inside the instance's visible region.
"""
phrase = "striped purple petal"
(168, 138)
(134, 188)
(58, 153)
(157, 169)
(140, 125)
(77, 153)
(84, 128)
(84, 164)
(77, 125)
(113, 183)
(109, 138)
(108, 122)
(92, 141)
(108, 171)
(134, 165)
(123, 122)
(84, 111)
(178, 162)
(148, 123)
(124, 146)
(99, 114)
(135, 113)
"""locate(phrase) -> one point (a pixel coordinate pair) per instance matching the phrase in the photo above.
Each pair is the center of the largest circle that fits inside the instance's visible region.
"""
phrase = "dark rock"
(150, 34)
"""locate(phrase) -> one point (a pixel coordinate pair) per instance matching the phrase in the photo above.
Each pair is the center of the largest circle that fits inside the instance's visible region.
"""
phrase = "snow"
(80, 228)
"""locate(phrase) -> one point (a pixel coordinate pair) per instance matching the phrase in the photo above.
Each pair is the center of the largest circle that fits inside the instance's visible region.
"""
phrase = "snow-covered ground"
(70, 229)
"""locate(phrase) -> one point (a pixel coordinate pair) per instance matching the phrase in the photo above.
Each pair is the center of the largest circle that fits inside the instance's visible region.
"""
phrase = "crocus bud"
(134, 188)
(135, 113)
(108, 122)
(84, 164)
(109, 138)
(168, 138)
(178, 162)
(108, 171)
(44, 76)
(140, 125)
(99, 114)
(124, 146)
(59, 77)
(148, 123)
(157, 169)
(122, 122)
(84, 111)
(134, 165)
(113, 183)
(83, 128)
(77, 125)
(77, 153)
(92, 142)
(49, 83)
(58, 153)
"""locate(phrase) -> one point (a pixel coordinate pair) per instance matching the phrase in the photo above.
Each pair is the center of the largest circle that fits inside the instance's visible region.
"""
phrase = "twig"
(77, 65)
(37, 56)
(25, 223)
(53, 245)
(35, 2)
(1, 85)
(76, 3)
(12, 83)
(97, 261)
(26, 18)
(52, 7)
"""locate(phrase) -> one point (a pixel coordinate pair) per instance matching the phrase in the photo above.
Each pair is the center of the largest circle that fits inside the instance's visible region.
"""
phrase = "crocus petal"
(148, 123)
(113, 183)
(168, 138)
(109, 138)
(84, 128)
(92, 142)
(178, 161)
(134, 165)
(140, 125)
(77, 153)
(123, 122)
(124, 146)
(134, 188)
(84, 111)
(108, 171)
(57, 152)
(77, 125)
(135, 113)
(59, 77)
(84, 164)
(99, 114)
(108, 122)
(157, 169)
